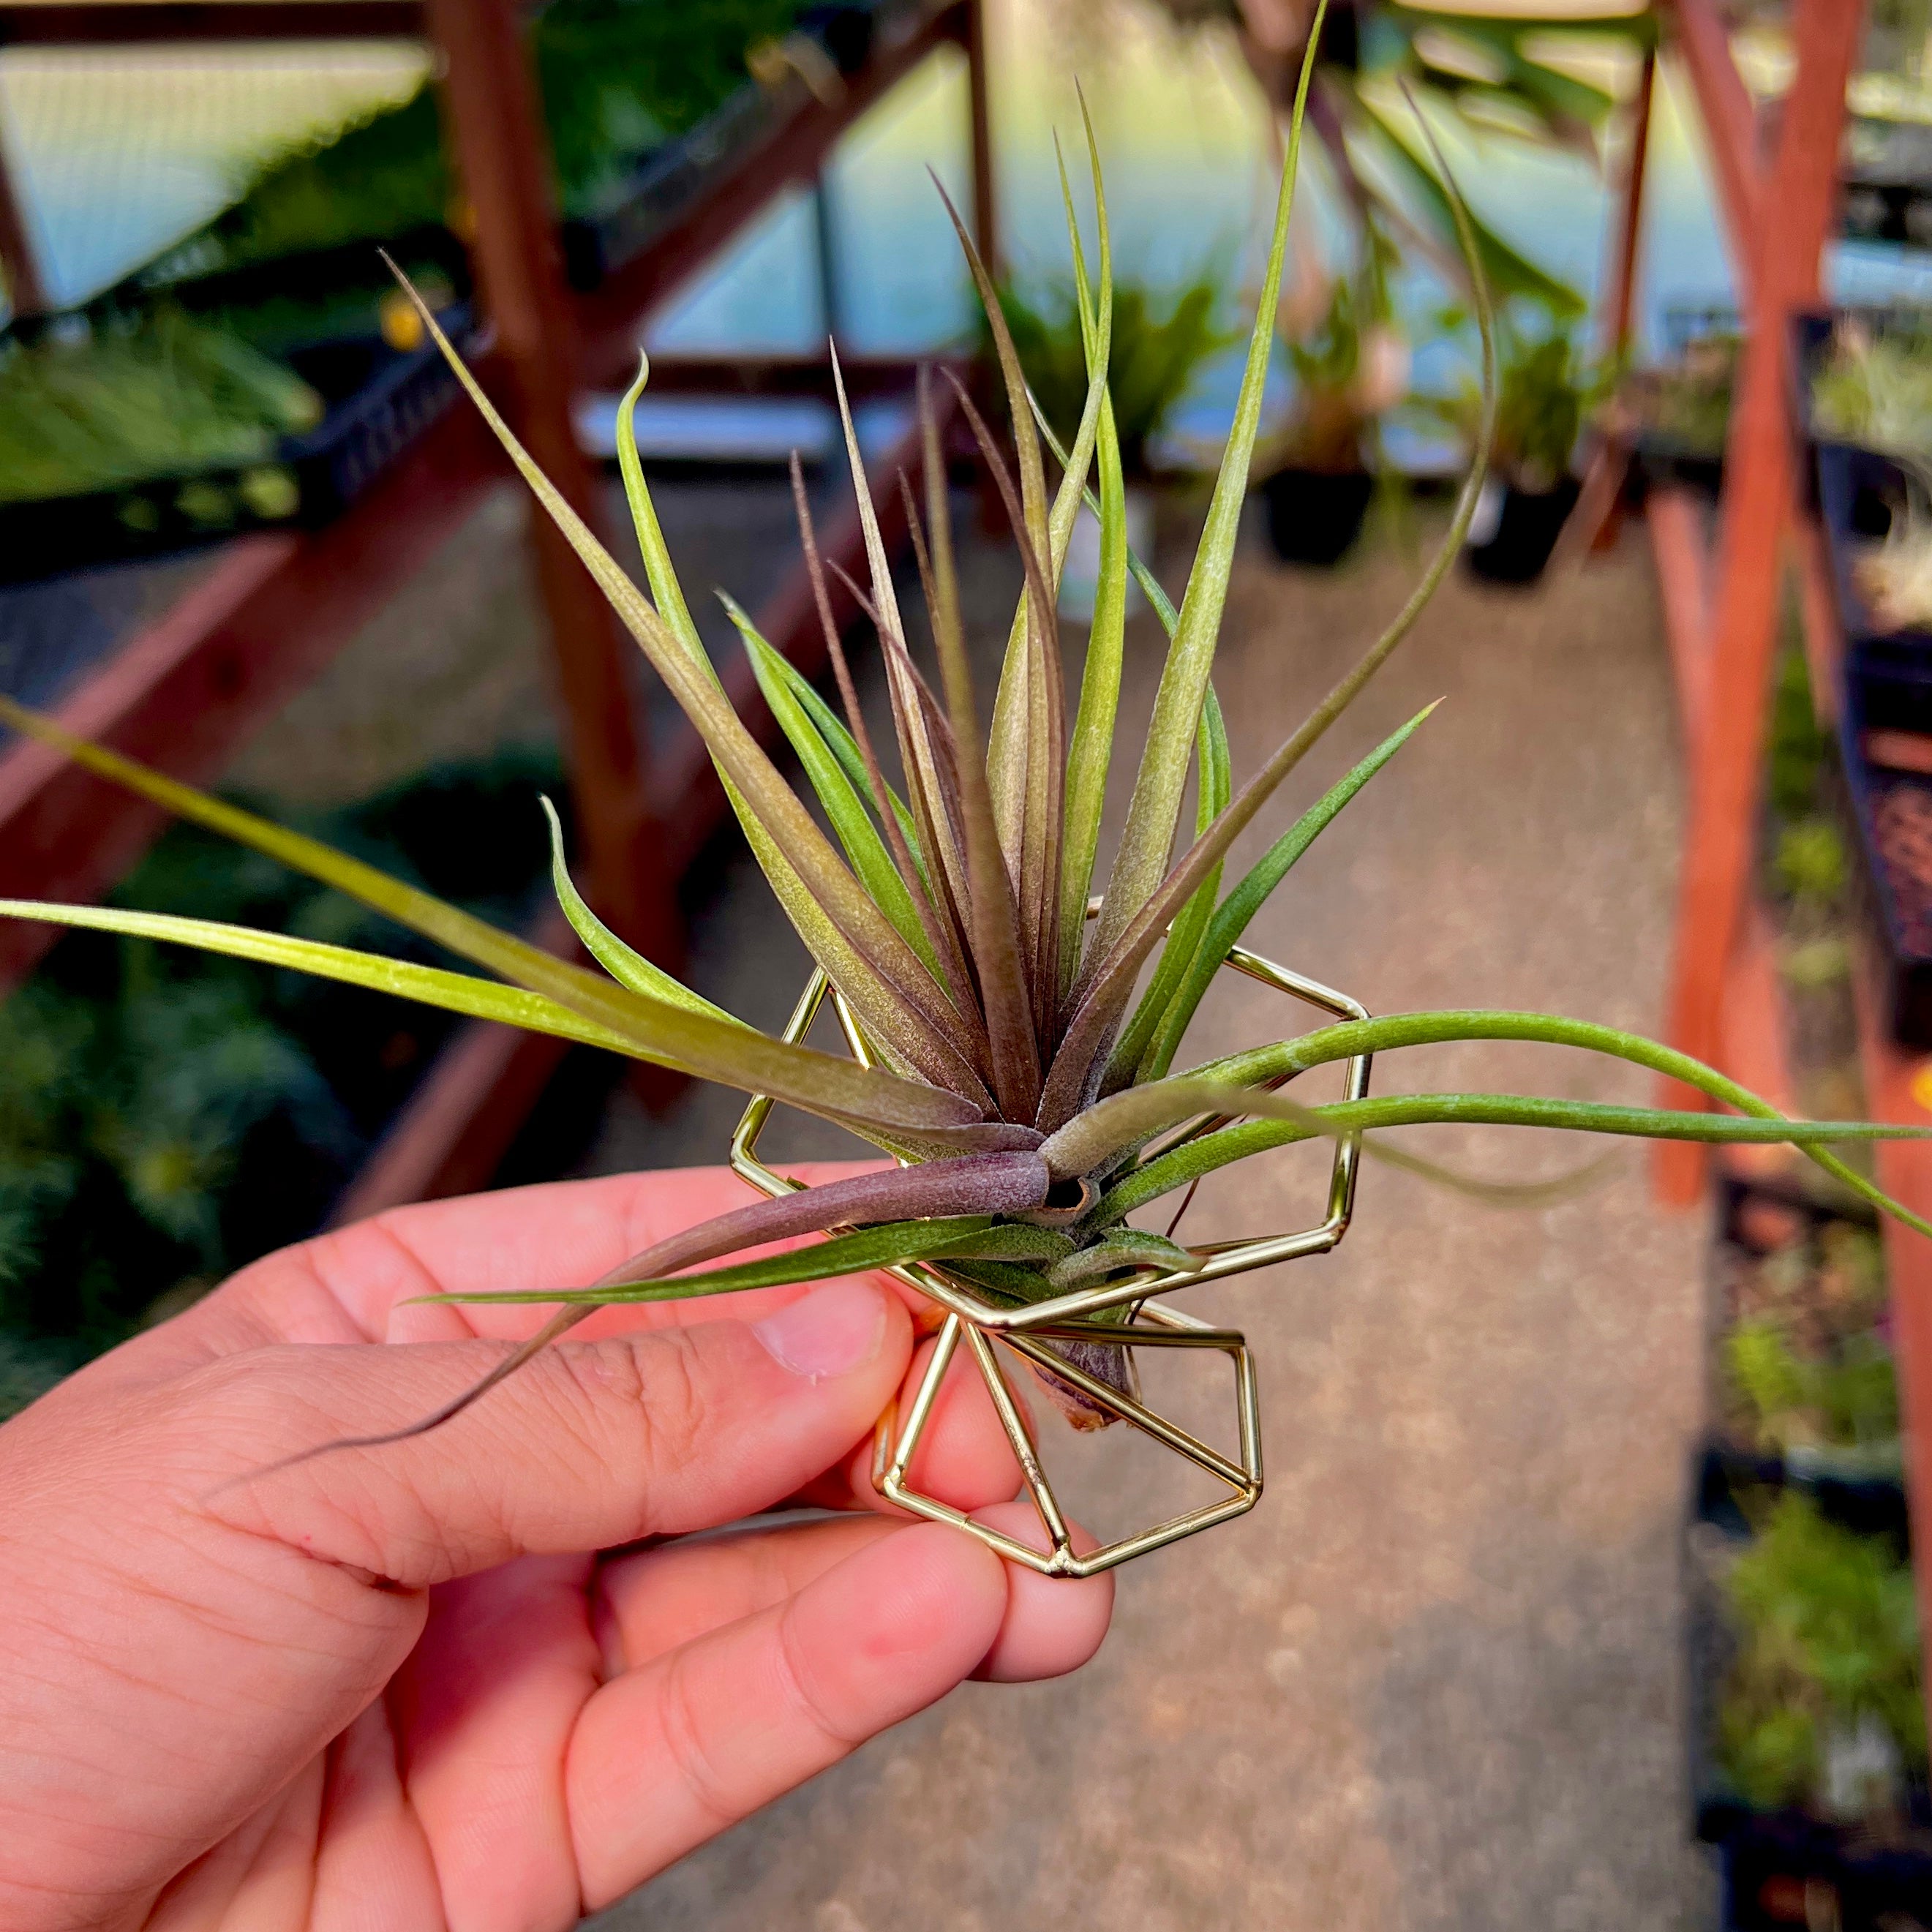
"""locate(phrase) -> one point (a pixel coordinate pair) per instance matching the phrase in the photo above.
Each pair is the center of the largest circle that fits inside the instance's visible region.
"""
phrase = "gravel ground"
(1431, 1682)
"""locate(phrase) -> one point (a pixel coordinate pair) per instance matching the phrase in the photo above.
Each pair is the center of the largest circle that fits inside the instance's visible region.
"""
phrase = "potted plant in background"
(1350, 366)
(1160, 342)
(1543, 388)
(1675, 415)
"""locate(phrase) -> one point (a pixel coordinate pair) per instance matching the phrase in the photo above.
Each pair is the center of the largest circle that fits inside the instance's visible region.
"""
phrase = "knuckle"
(795, 1681)
(653, 1387)
(683, 1734)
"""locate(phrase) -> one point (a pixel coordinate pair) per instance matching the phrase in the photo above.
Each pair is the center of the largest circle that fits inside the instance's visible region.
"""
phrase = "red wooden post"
(1781, 273)
(491, 113)
(1620, 294)
(985, 189)
(26, 291)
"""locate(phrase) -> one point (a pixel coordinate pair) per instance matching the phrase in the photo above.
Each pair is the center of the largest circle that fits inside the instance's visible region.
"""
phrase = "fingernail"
(834, 1329)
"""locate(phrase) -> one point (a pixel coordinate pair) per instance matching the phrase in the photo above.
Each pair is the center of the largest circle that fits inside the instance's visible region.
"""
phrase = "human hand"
(397, 1688)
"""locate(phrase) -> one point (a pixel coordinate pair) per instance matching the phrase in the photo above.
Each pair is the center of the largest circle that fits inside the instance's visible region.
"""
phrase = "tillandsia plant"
(1013, 1055)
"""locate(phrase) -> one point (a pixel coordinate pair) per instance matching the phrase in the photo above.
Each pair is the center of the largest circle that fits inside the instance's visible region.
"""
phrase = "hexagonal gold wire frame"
(1066, 1318)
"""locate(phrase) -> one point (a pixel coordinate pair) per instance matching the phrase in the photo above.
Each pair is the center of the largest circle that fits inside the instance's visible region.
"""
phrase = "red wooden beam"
(1621, 289)
(26, 290)
(492, 116)
(1725, 770)
(1730, 124)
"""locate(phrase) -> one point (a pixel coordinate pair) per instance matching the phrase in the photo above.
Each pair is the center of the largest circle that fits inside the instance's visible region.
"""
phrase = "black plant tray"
(1663, 461)
(1778, 1864)
(379, 399)
(1888, 696)
(666, 182)
(311, 275)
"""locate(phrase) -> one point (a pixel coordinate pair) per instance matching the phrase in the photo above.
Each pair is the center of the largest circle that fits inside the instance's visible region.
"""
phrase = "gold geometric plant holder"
(1026, 1331)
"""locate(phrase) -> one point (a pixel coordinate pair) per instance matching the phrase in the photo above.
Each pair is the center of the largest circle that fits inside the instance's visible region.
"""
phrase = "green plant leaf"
(1179, 955)
(844, 805)
(1109, 979)
(1506, 270)
(724, 1050)
(1343, 1041)
(1283, 1122)
(584, 992)
(960, 1238)
(1230, 919)
(989, 907)
(624, 964)
(845, 748)
(879, 975)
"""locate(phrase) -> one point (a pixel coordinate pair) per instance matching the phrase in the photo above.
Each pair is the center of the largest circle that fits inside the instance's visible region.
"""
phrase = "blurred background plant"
(1822, 1706)
(618, 79)
(1162, 338)
(164, 1118)
(1546, 385)
(89, 407)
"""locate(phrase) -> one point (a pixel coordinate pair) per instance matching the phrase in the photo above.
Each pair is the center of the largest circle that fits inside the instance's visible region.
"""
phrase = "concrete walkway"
(1432, 1680)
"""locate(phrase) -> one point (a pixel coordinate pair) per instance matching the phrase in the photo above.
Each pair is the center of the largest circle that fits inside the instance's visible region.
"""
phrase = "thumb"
(588, 1445)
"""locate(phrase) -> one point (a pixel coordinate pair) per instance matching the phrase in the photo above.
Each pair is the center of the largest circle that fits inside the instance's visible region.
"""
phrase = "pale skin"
(436, 1684)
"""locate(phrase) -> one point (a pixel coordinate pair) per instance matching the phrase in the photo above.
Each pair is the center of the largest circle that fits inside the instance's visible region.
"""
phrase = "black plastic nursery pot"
(1663, 461)
(1787, 1868)
(378, 400)
(1531, 520)
(1314, 516)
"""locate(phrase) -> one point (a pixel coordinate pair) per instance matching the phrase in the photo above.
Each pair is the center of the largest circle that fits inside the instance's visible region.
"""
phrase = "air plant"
(1012, 1054)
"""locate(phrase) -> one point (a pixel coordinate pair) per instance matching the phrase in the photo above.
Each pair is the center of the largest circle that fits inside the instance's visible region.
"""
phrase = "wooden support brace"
(1783, 274)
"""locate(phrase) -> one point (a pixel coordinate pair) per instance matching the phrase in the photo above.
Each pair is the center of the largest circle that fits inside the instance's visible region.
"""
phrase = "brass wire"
(1027, 1332)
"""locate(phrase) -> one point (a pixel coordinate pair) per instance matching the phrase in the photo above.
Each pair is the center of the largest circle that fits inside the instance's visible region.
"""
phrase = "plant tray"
(1885, 742)
(1664, 461)
(668, 181)
(379, 399)
(1784, 1868)
(315, 277)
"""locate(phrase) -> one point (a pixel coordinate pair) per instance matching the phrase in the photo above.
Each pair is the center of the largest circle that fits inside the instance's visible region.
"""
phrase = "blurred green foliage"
(617, 78)
(166, 1117)
(129, 398)
(1829, 1627)
(1160, 342)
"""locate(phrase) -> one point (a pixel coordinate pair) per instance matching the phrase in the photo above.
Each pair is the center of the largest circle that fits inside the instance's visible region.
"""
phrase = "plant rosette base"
(1044, 1336)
